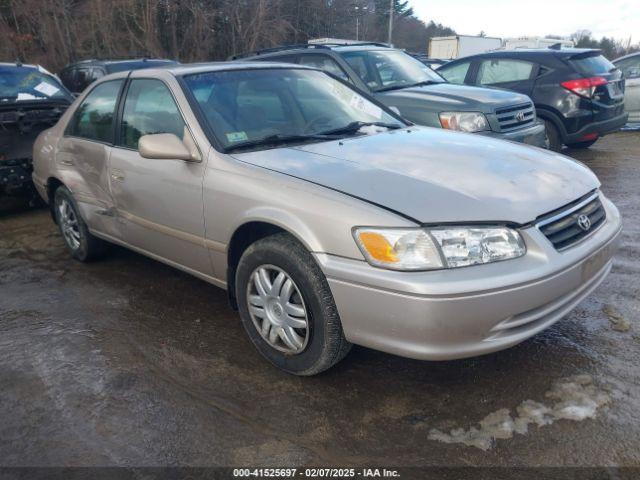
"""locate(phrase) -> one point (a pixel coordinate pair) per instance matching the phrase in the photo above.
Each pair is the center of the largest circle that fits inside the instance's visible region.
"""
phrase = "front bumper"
(531, 135)
(15, 176)
(601, 128)
(457, 313)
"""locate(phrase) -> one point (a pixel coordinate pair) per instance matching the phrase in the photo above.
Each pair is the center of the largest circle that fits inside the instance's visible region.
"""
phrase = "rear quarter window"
(592, 65)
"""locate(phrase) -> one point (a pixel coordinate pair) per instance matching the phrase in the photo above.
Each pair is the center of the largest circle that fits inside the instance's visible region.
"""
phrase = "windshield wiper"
(353, 127)
(277, 139)
(401, 86)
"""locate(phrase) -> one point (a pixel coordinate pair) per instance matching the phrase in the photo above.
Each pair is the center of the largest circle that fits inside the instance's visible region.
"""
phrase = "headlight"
(437, 248)
(464, 121)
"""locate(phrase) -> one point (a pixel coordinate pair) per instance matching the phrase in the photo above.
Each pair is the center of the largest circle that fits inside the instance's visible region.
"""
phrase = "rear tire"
(81, 244)
(287, 308)
(553, 136)
(582, 144)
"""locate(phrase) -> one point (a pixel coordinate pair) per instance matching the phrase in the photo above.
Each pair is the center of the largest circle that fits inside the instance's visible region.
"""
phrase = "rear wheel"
(81, 244)
(586, 144)
(287, 308)
(553, 136)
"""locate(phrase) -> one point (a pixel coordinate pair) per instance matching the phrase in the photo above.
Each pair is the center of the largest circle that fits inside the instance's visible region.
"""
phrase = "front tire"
(287, 308)
(553, 136)
(81, 244)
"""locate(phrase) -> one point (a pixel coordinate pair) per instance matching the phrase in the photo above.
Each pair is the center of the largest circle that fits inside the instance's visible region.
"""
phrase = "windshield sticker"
(46, 88)
(365, 106)
(25, 96)
(237, 137)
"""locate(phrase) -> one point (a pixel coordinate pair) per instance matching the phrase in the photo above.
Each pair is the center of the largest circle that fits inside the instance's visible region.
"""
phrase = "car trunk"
(608, 98)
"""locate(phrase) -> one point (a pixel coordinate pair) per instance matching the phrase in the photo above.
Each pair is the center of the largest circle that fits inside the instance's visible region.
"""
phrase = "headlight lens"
(464, 121)
(436, 248)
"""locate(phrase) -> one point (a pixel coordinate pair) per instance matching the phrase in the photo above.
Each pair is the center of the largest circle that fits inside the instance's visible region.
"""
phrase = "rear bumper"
(601, 128)
(532, 135)
(465, 312)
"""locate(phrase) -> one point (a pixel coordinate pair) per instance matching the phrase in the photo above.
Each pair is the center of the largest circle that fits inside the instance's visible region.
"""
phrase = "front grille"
(517, 116)
(567, 226)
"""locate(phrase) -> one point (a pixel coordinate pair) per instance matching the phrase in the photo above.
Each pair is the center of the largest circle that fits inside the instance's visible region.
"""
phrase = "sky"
(503, 18)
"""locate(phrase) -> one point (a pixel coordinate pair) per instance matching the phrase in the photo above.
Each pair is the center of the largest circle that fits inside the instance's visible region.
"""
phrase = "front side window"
(384, 70)
(499, 70)
(323, 62)
(149, 108)
(93, 119)
(455, 73)
(252, 105)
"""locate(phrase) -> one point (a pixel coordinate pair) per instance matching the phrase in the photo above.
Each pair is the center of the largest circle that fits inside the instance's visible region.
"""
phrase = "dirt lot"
(129, 362)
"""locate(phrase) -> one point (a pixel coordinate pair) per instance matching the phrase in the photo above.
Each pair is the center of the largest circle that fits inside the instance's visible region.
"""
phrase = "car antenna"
(555, 46)
(18, 63)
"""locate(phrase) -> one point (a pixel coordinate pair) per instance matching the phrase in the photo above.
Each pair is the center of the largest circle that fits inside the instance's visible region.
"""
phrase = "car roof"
(94, 61)
(634, 54)
(533, 52)
(314, 48)
(180, 69)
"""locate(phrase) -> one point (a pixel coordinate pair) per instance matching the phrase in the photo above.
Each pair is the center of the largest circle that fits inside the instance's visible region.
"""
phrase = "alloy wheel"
(69, 224)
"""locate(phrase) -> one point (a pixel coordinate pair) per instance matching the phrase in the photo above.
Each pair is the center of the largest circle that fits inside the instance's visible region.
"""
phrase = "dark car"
(419, 94)
(31, 100)
(78, 76)
(577, 92)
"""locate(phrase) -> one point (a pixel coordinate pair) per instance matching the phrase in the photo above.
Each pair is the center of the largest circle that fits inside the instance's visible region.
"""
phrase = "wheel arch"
(256, 228)
(53, 183)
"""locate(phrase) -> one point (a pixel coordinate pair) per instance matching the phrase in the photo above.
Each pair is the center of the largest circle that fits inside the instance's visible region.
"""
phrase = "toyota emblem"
(584, 222)
(520, 116)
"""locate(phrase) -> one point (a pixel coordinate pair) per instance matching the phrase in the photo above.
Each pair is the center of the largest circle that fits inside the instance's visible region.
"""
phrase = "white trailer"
(447, 48)
(534, 42)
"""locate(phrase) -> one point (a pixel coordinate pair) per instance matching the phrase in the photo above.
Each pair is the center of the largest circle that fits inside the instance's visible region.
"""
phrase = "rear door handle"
(66, 162)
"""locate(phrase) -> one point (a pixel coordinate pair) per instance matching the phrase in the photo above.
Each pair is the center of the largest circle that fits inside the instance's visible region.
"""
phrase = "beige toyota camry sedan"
(328, 219)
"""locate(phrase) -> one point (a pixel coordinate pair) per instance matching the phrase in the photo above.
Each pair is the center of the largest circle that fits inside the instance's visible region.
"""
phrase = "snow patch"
(576, 398)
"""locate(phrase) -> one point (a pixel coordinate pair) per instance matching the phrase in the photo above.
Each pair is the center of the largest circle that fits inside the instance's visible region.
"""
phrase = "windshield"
(389, 69)
(244, 106)
(29, 84)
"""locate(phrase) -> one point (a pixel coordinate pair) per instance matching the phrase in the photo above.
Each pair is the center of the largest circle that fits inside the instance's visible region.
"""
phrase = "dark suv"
(419, 94)
(577, 92)
(78, 76)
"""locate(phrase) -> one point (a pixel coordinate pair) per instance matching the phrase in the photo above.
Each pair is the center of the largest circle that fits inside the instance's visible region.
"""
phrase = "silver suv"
(328, 219)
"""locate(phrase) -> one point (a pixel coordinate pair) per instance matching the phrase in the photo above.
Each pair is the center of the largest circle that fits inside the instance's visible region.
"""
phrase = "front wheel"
(287, 308)
(81, 244)
(553, 136)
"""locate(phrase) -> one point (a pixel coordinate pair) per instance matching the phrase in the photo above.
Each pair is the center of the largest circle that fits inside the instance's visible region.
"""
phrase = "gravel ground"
(129, 362)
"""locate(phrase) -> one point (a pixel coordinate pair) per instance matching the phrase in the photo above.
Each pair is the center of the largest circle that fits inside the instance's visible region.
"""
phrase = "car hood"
(449, 95)
(433, 175)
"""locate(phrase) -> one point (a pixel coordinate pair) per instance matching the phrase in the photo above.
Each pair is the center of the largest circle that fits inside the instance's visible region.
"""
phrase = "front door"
(160, 201)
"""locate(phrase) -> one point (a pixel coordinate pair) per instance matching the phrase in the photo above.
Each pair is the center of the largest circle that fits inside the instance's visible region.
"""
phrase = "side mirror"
(163, 146)
(634, 73)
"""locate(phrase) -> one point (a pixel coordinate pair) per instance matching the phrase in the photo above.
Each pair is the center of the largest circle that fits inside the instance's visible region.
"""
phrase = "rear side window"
(93, 119)
(323, 62)
(149, 109)
(455, 73)
(503, 70)
(592, 65)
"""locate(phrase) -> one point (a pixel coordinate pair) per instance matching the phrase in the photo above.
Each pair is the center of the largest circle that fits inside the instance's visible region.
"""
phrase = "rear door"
(507, 73)
(83, 156)
(608, 97)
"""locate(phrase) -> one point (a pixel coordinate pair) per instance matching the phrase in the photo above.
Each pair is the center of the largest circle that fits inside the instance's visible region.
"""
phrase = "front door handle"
(66, 162)
(117, 175)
